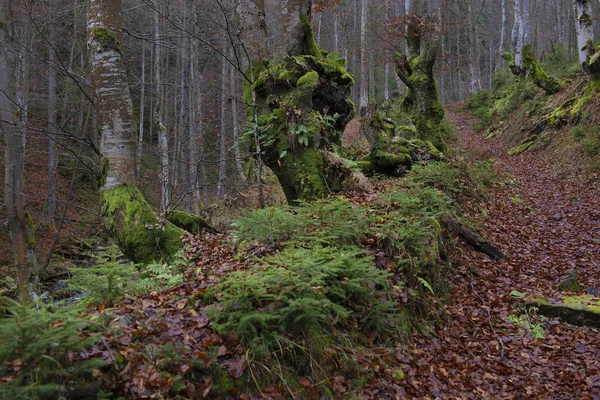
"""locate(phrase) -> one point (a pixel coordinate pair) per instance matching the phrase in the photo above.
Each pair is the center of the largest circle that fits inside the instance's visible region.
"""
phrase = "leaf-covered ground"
(486, 347)
(545, 225)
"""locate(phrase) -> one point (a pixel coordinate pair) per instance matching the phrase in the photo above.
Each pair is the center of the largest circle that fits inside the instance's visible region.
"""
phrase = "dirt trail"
(545, 226)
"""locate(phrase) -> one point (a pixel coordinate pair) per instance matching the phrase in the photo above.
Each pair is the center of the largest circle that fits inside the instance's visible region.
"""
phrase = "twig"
(489, 314)
(112, 357)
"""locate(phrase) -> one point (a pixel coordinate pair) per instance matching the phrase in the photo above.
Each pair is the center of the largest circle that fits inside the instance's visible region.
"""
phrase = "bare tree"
(14, 151)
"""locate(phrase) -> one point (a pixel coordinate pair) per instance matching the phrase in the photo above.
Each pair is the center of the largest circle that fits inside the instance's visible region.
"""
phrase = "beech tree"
(586, 48)
(415, 67)
(142, 236)
(302, 98)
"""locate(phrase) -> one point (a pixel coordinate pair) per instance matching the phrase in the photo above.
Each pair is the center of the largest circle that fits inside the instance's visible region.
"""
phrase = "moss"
(188, 222)
(142, 236)
(309, 80)
(390, 164)
(105, 169)
(512, 65)
(559, 115)
(310, 44)
(537, 73)
(526, 144)
(225, 386)
(435, 153)
(417, 143)
(589, 93)
(106, 38)
(587, 302)
(30, 235)
(300, 176)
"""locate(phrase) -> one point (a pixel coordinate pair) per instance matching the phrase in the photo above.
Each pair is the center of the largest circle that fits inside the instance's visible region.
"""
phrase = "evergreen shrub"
(40, 351)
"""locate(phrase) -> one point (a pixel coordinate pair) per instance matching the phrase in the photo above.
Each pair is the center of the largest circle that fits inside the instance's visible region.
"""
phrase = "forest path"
(545, 226)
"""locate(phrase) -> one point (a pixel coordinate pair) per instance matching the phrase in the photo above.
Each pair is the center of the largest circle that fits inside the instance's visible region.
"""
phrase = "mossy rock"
(576, 310)
(187, 222)
(141, 235)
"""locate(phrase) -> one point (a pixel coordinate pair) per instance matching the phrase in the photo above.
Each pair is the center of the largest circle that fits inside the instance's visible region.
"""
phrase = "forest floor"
(545, 225)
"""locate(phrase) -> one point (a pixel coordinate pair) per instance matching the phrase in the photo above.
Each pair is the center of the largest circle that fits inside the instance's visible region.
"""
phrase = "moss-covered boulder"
(140, 233)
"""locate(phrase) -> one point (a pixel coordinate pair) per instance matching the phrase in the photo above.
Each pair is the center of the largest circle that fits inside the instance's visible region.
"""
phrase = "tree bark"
(415, 69)
(364, 55)
(52, 110)
(163, 145)
(584, 28)
(142, 236)
(14, 152)
(223, 136)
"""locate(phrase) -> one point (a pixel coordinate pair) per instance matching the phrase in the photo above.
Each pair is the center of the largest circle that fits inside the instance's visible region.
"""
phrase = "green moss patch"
(141, 235)
(188, 222)
(576, 310)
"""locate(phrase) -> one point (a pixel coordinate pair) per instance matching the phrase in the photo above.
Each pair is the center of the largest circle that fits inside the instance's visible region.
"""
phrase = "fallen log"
(473, 239)
(576, 310)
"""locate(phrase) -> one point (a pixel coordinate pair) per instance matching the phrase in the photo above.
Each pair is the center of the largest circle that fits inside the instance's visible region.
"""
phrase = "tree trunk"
(52, 110)
(302, 105)
(584, 27)
(14, 152)
(142, 236)
(473, 49)
(163, 145)
(223, 136)
(364, 55)
(517, 39)
(503, 28)
(422, 102)
(235, 124)
(184, 113)
(140, 142)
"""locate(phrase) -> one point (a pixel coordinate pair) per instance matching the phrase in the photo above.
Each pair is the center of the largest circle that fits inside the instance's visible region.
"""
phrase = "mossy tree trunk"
(142, 236)
(301, 98)
(537, 73)
(415, 69)
(589, 53)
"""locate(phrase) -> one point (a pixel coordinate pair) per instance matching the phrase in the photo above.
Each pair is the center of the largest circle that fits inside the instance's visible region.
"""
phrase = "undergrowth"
(347, 275)
(40, 355)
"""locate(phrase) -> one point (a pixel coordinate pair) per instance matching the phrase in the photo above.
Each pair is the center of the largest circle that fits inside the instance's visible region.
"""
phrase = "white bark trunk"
(503, 28)
(583, 25)
(364, 82)
(517, 35)
(163, 144)
(386, 83)
(473, 51)
(113, 101)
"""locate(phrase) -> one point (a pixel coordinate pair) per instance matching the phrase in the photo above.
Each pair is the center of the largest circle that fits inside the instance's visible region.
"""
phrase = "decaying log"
(473, 239)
